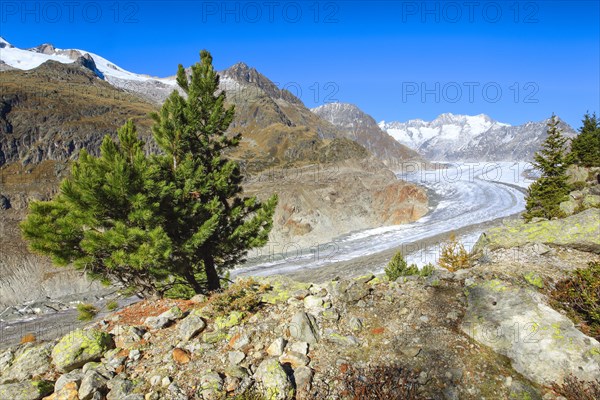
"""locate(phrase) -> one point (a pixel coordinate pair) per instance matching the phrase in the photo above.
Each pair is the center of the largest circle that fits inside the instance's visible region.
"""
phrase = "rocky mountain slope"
(452, 137)
(55, 106)
(484, 332)
(362, 128)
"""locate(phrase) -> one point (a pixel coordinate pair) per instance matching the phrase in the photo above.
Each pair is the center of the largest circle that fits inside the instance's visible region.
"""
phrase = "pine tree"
(171, 221)
(212, 225)
(585, 148)
(546, 193)
(103, 220)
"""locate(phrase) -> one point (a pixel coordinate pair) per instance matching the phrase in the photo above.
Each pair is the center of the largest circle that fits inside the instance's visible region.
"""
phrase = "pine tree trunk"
(189, 276)
(212, 278)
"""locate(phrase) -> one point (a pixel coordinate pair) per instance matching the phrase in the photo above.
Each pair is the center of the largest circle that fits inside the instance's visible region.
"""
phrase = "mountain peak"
(246, 75)
(240, 65)
(337, 106)
(46, 48)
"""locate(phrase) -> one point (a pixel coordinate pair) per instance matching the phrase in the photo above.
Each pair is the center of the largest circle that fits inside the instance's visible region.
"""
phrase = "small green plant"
(86, 312)
(398, 267)
(112, 305)
(427, 270)
(454, 256)
(579, 295)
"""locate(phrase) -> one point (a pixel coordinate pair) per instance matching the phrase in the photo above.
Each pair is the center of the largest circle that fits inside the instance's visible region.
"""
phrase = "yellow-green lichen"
(233, 319)
(534, 279)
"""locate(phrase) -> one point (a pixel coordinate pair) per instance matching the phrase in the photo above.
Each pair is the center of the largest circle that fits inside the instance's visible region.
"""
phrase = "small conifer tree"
(585, 147)
(546, 193)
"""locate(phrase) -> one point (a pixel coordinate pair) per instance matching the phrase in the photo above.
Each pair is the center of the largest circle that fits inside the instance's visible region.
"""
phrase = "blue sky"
(513, 60)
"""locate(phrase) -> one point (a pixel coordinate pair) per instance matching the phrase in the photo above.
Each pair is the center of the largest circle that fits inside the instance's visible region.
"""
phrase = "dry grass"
(378, 382)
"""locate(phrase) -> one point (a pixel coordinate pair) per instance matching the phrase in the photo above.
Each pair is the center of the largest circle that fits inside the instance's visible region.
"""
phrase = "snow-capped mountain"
(452, 137)
(153, 88)
(448, 127)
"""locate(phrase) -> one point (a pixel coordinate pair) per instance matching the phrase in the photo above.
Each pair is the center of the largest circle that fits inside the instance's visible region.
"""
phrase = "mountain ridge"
(455, 137)
(362, 128)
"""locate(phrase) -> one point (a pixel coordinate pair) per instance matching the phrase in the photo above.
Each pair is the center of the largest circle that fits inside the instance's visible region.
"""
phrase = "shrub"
(86, 312)
(28, 338)
(579, 295)
(243, 295)
(112, 305)
(454, 256)
(574, 389)
(398, 267)
(427, 269)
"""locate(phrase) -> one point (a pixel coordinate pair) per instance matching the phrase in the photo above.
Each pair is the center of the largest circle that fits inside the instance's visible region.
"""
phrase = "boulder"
(273, 380)
(313, 302)
(92, 383)
(119, 389)
(276, 348)
(127, 336)
(580, 231)
(303, 377)
(6, 359)
(299, 347)
(211, 386)
(190, 326)
(70, 377)
(26, 390)
(568, 207)
(164, 319)
(236, 357)
(541, 343)
(350, 291)
(576, 174)
(355, 324)
(303, 327)
(28, 363)
(590, 201)
(80, 347)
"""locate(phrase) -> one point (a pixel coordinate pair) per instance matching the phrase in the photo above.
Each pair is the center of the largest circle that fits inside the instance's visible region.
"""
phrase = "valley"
(246, 245)
(466, 198)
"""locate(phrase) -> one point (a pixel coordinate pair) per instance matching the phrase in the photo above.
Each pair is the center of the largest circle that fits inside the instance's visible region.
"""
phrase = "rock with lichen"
(79, 347)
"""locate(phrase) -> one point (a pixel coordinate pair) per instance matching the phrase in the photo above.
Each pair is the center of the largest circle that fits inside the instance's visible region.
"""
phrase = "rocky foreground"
(486, 332)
